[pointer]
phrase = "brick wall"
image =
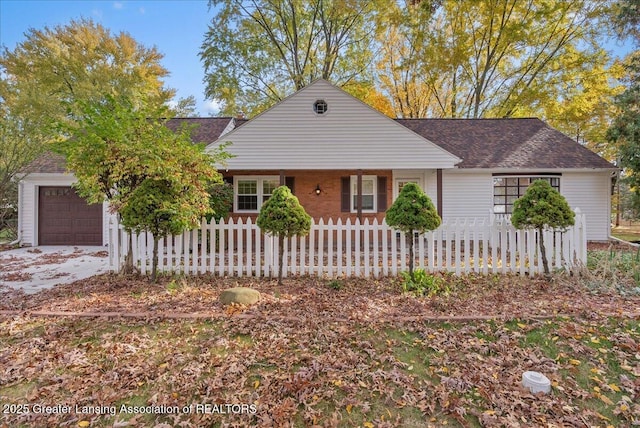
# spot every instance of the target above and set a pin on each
(328, 203)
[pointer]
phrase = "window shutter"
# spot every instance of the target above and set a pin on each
(345, 194)
(228, 180)
(382, 194)
(290, 183)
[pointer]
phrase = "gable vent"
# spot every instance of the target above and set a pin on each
(320, 107)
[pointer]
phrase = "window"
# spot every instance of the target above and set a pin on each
(320, 107)
(509, 188)
(251, 192)
(400, 183)
(369, 190)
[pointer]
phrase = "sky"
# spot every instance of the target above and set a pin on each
(175, 28)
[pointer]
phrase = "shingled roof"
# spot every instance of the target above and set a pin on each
(206, 130)
(524, 143)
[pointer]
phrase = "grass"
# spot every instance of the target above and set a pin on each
(626, 236)
(408, 375)
(627, 232)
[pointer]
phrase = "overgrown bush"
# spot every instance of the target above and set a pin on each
(220, 200)
(423, 283)
(612, 270)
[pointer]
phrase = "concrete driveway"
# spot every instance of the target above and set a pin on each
(33, 269)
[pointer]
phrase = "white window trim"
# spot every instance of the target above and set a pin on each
(259, 179)
(352, 193)
(396, 183)
(529, 176)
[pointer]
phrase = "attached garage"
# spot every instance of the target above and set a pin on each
(64, 218)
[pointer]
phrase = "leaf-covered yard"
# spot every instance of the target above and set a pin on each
(320, 353)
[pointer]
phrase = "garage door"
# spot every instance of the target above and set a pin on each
(64, 218)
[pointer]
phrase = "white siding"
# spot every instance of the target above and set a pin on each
(470, 194)
(591, 192)
(431, 185)
(351, 135)
(28, 211)
(466, 194)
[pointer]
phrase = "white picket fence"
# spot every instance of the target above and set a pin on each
(337, 249)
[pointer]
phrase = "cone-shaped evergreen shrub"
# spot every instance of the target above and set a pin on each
(542, 207)
(413, 212)
(283, 216)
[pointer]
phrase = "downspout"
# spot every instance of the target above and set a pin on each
(20, 210)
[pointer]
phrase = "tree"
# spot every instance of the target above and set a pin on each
(184, 107)
(625, 129)
(488, 58)
(17, 149)
(173, 197)
(403, 35)
(542, 207)
(412, 212)
(626, 18)
(257, 52)
(50, 77)
(81, 61)
(116, 146)
(282, 215)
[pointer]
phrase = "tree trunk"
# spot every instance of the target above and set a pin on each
(127, 269)
(543, 253)
(411, 238)
(280, 257)
(154, 263)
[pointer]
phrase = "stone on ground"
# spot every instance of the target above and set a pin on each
(241, 295)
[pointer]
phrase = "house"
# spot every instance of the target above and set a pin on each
(326, 145)
(51, 213)
(343, 159)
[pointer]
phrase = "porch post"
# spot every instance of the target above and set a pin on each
(359, 197)
(282, 179)
(439, 191)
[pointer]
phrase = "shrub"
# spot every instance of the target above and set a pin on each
(613, 270)
(413, 212)
(283, 216)
(335, 284)
(422, 283)
(542, 207)
(221, 200)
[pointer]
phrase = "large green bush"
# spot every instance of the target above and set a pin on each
(283, 216)
(413, 212)
(542, 207)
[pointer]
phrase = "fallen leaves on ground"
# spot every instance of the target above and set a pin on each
(298, 373)
(501, 296)
(311, 355)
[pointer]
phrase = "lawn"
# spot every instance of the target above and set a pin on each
(627, 231)
(352, 353)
